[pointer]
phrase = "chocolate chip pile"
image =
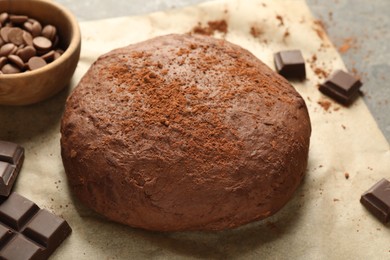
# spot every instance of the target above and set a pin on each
(25, 44)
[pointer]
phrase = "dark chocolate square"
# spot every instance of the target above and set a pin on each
(290, 64)
(377, 200)
(342, 87)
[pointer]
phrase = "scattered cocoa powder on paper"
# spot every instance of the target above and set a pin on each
(255, 31)
(348, 43)
(320, 72)
(211, 27)
(319, 28)
(325, 104)
(280, 18)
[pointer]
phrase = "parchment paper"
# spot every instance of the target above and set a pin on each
(324, 220)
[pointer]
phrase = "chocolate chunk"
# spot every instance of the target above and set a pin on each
(290, 64)
(377, 200)
(342, 87)
(28, 232)
(11, 160)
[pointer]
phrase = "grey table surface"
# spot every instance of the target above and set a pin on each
(359, 28)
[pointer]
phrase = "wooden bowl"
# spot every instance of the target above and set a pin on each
(37, 85)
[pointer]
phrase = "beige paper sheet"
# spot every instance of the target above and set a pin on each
(324, 220)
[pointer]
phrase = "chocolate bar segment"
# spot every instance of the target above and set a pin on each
(10, 152)
(11, 160)
(28, 232)
(342, 87)
(377, 200)
(290, 64)
(19, 247)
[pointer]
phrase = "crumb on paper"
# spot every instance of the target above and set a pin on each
(281, 21)
(321, 73)
(211, 27)
(325, 104)
(335, 200)
(344, 127)
(255, 31)
(346, 175)
(286, 34)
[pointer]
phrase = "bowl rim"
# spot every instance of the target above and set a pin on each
(75, 41)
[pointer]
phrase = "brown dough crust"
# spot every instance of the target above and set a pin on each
(184, 132)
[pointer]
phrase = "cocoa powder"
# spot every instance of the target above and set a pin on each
(212, 27)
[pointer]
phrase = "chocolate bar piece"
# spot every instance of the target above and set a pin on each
(342, 87)
(11, 160)
(290, 64)
(377, 200)
(28, 232)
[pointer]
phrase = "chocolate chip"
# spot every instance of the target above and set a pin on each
(50, 32)
(15, 35)
(18, 19)
(27, 38)
(48, 57)
(57, 55)
(33, 27)
(36, 63)
(16, 60)
(10, 69)
(4, 33)
(26, 53)
(42, 43)
(3, 18)
(8, 49)
(3, 61)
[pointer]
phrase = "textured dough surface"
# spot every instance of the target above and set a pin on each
(184, 132)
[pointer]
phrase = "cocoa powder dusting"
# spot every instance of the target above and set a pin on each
(171, 105)
(184, 102)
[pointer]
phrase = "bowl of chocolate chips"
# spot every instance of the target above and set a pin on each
(40, 45)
